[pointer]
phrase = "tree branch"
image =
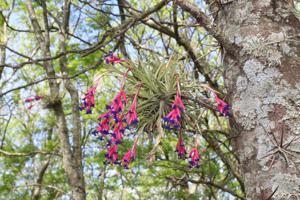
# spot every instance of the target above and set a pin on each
(29, 154)
(204, 21)
(48, 78)
(218, 186)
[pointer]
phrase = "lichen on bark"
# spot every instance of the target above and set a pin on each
(263, 81)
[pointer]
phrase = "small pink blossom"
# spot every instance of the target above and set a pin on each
(180, 148)
(118, 103)
(174, 116)
(132, 117)
(129, 156)
(112, 155)
(223, 107)
(31, 100)
(89, 100)
(111, 59)
(194, 158)
(117, 134)
(178, 102)
(103, 126)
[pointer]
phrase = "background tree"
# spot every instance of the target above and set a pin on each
(246, 51)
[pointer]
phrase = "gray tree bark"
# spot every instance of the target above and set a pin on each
(261, 43)
(263, 84)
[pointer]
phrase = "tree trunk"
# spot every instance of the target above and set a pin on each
(263, 81)
(71, 156)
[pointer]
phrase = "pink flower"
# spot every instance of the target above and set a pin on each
(31, 100)
(104, 116)
(173, 119)
(117, 134)
(112, 155)
(118, 102)
(174, 116)
(178, 102)
(180, 148)
(132, 117)
(103, 126)
(111, 59)
(194, 158)
(89, 100)
(223, 107)
(129, 156)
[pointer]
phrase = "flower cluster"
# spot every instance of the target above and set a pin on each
(112, 59)
(118, 103)
(194, 156)
(173, 118)
(31, 100)
(112, 116)
(173, 121)
(88, 100)
(113, 123)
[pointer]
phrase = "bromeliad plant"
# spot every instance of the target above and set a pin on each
(157, 103)
(160, 99)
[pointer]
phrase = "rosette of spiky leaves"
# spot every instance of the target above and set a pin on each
(158, 79)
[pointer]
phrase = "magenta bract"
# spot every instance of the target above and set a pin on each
(194, 158)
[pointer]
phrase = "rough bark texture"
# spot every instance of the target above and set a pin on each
(36, 192)
(263, 81)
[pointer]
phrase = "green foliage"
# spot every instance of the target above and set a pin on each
(34, 133)
(3, 6)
